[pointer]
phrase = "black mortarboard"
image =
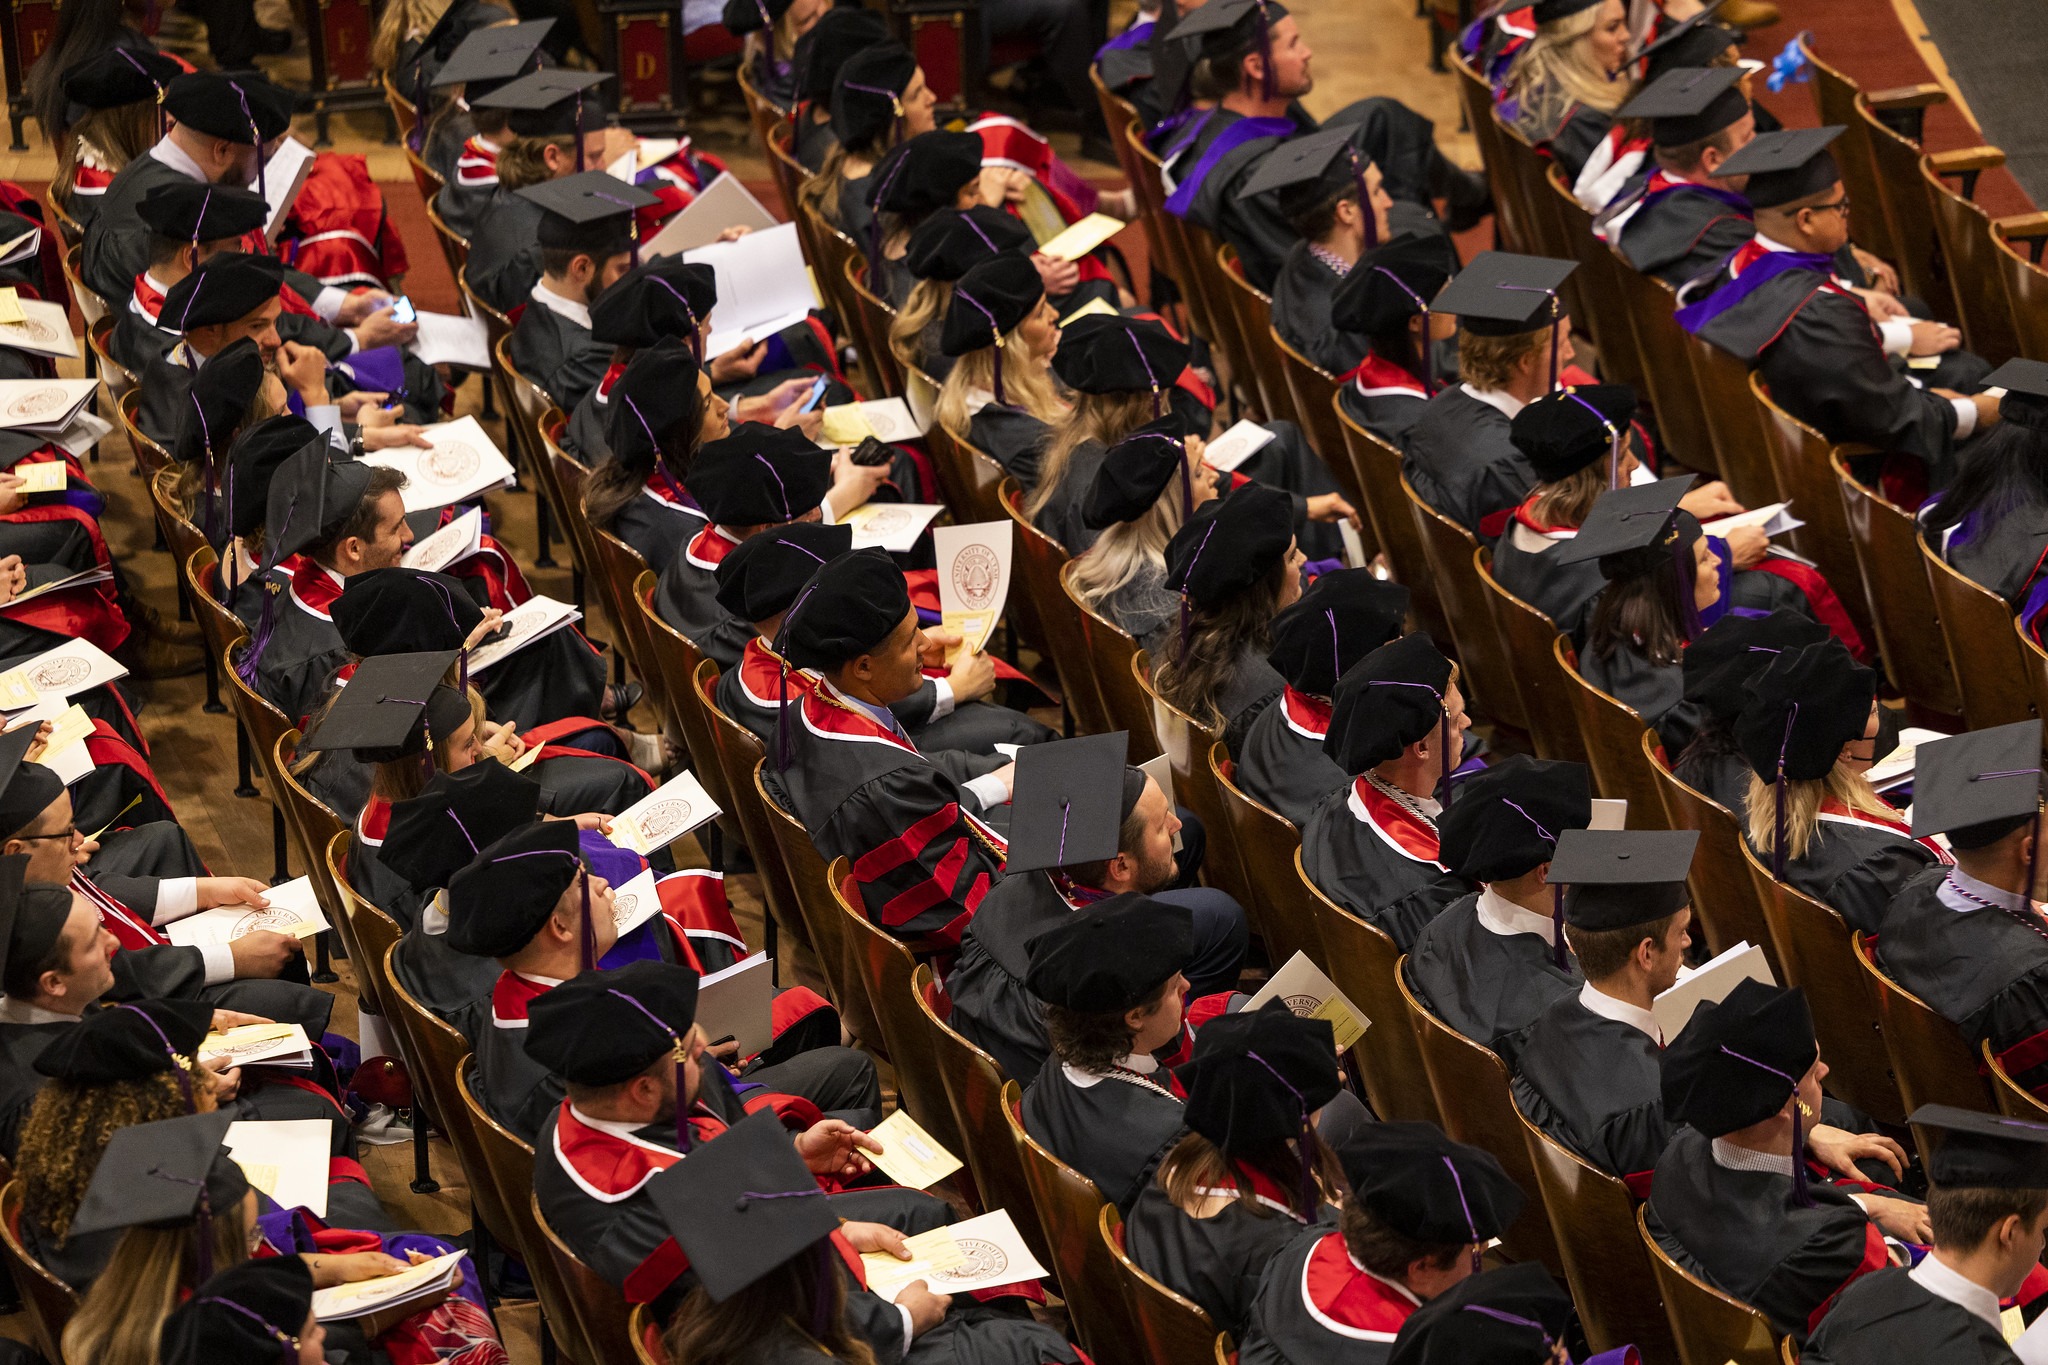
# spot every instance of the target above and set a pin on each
(1230, 544)
(742, 1205)
(1630, 529)
(392, 707)
(867, 97)
(498, 902)
(759, 475)
(1257, 1077)
(759, 578)
(653, 398)
(127, 1042)
(1737, 1060)
(1792, 163)
(249, 1314)
(242, 108)
(605, 1027)
(1501, 294)
(591, 211)
(1068, 806)
(194, 211)
(952, 242)
(1802, 708)
(1112, 956)
(1984, 1151)
(217, 401)
(1720, 663)
(404, 611)
(1338, 620)
(658, 299)
(925, 173)
(1561, 433)
(1387, 701)
(2026, 392)
(458, 813)
(1415, 1180)
(255, 458)
(1136, 471)
(457, 22)
(842, 32)
(1514, 1315)
(1104, 354)
(742, 17)
(26, 789)
(851, 605)
(1510, 816)
(1550, 11)
(1372, 299)
(1978, 787)
(492, 55)
(120, 75)
(1230, 29)
(1304, 173)
(1614, 878)
(551, 102)
(31, 916)
(224, 288)
(311, 495)
(151, 1175)
(991, 301)
(1689, 104)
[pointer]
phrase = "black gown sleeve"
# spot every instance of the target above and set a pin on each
(1828, 368)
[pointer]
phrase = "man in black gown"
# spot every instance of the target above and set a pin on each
(586, 235)
(1682, 217)
(505, 251)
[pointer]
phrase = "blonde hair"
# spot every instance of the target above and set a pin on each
(1028, 386)
(1487, 362)
(1802, 808)
(820, 194)
(1125, 550)
(147, 1276)
(1103, 417)
(404, 778)
(927, 304)
(1569, 500)
(402, 19)
(1556, 71)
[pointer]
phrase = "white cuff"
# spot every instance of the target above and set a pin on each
(327, 417)
(220, 963)
(1897, 335)
(943, 707)
(1966, 418)
(989, 790)
(825, 512)
(176, 897)
(327, 303)
(355, 340)
(908, 1335)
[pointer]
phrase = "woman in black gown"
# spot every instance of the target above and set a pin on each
(1235, 565)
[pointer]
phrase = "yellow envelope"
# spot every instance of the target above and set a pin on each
(2012, 1323)
(910, 1156)
(67, 730)
(10, 307)
(525, 760)
(974, 626)
(930, 1252)
(1348, 1027)
(1088, 309)
(44, 476)
(845, 425)
(16, 691)
(1082, 238)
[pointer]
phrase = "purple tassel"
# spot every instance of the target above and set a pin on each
(1304, 1142)
(1800, 1197)
(1778, 839)
(589, 930)
(1471, 1226)
(996, 334)
(1265, 52)
(184, 1078)
(1365, 213)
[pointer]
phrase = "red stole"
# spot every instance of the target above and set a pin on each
(133, 930)
(1376, 375)
(1347, 1300)
(1829, 806)
(709, 547)
(512, 997)
(1307, 716)
(1402, 828)
(313, 587)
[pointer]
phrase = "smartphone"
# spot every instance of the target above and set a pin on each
(872, 452)
(817, 393)
(403, 311)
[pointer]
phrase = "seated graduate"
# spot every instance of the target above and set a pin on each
(1236, 566)
(1251, 1172)
(944, 248)
(759, 580)
(1718, 667)
(462, 141)
(1397, 720)
(586, 243)
(1515, 1315)
(1728, 1199)
(1110, 977)
(820, 53)
(1143, 492)
(1001, 337)
(658, 412)
(1684, 218)
(772, 29)
(1382, 339)
(1987, 1204)
(244, 1314)
(1494, 961)
(1563, 90)
(915, 826)
(1512, 338)
(1991, 524)
(110, 100)
(1661, 573)
(1970, 940)
(1827, 357)
(1420, 1212)
(1812, 815)
(1333, 199)
(920, 177)
(879, 101)
(1339, 619)
(1085, 828)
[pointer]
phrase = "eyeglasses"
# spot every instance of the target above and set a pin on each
(68, 833)
(1839, 206)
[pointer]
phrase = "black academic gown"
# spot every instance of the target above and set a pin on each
(1281, 762)
(2005, 553)
(504, 251)
(656, 526)
(451, 984)
(302, 655)
(1377, 860)
(1573, 144)
(1316, 1307)
(1388, 406)
(116, 247)
(687, 598)
(1114, 1130)
(1887, 1318)
(1525, 563)
(1459, 460)
(1253, 226)
(1723, 776)
(1655, 690)
(586, 436)
(1489, 986)
(1855, 866)
(1302, 292)
(1593, 1084)
(1734, 1229)
(557, 353)
(1216, 1261)
(1682, 235)
(1984, 969)
(1013, 438)
(991, 1007)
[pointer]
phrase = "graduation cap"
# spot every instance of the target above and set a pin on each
(31, 917)
(551, 102)
(2026, 392)
(591, 212)
(1718, 666)
(830, 43)
(215, 404)
(194, 211)
(867, 95)
(655, 404)
(991, 301)
(436, 834)
(311, 495)
(1256, 1080)
(1978, 787)
(1229, 545)
(1512, 817)
(1802, 708)
(1736, 1062)
(245, 108)
(457, 22)
(492, 55)
(1605, 879)
(405, 611)
(1984, 1151)
(758, 579)
(1111, 956)
(120, 75)
(1233, 29)
(744, 1204)
(499, 901)
(1071, 797)
(1136, 471)
(606, 1027)
(249, 1314)
(1633, 530)
(252, 461)
(1550, 11)
(1513, 1315)
(1115, 354)
(1790, 164)
(394, 706)
(1501, 294)
(1338, 620)
(1563, 432)
(1387, 701)
(1689, 104)
(130, 1043)
(1392, 284)
(656, 300)
(925, 173)
(742, 17)
(26, 789)
(1303, 173)
(1414, 1179)
(165, 1174)
(759, 475)
(1695, 41)
(952, 241)
(225, 287)
(851, 605)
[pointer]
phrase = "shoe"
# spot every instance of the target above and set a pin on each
(158, 658)
(169, 628)
(648, 753)
(619, 701)
(1747, 14)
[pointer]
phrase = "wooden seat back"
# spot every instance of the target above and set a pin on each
(1098, 685)
(1802, 458)
(1604, 308)
(673, 663)
(1172, 1326)
(1735, 421)
(1043, 562)
(1186, 742)
(1649, 306)
(2013, 1100)
(2018, 243)
(602, 1315)
(1711, 1328)
(1910, 209)
(1475, 100)
(1983, 649)
(1727, 908)
(1908, 629)
(1529, 638)
(886, 966)
(149, 456)
(1613, 732)
(738, 753)
(1312, 391)
(1931, 1060)
(1486, 672)
(118, 379)
(312, 824)
(1969, 256)
(873, 315)
(1266, 844)
(1376, 470)
(1252, 308)
(371, 930)
(1834, 94)
(48, 1301)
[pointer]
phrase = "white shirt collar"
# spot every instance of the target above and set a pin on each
(1499, 915)
(620, 1128)
(13, 1011)
(177, 158)
(434, 914)
(1942, 1280)
(1770, 243)
(1507, 403)
(578, 313)
(1620, 1011)
(1959, 881)
(1730, 1157)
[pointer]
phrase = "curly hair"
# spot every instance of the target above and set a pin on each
(1195, 674)
(68, 1126)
